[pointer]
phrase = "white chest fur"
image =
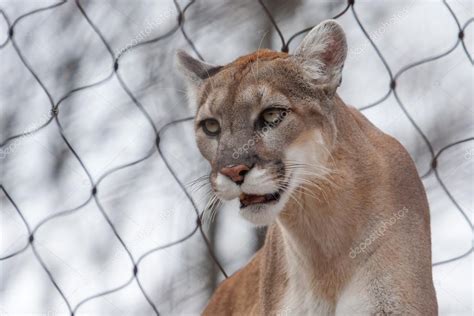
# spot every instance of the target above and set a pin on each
(299, 299)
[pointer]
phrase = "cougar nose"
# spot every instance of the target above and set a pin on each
(235, 172)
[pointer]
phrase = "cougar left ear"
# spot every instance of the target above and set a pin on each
(196, 71)
(322, 53)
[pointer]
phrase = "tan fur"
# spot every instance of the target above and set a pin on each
(350, 234)
(380, 179)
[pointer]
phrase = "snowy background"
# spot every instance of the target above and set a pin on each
(101, 130)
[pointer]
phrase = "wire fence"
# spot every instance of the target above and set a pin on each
(53, 118)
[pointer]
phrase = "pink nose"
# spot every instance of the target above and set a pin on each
(235, 172)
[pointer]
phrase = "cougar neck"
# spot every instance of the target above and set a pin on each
(321, 224)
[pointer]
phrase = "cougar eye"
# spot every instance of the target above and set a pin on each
(211, 127)
(273, 116)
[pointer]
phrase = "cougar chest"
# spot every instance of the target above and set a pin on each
(300, 299)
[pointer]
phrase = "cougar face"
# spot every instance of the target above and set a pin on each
(264, 121)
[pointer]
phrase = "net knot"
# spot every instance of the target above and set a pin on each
(54, 111)
(393, 84)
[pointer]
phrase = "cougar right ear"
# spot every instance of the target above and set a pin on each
(322, 53)
(196, 71)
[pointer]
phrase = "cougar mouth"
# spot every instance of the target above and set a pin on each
(249, 199)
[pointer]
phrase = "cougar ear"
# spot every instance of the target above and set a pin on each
(322, 53)
(196, 71)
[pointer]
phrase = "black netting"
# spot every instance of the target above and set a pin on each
(53, 118)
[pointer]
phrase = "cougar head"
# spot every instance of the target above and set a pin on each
(264, 122)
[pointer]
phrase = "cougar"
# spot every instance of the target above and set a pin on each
(347, 215)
